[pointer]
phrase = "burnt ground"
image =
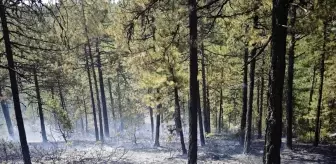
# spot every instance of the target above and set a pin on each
(219, 149)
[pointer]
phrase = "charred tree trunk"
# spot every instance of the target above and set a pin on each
(86, 116)
(261, 98)
(119, 99)
(178, 123)
(220, 113)
(101, 132)
(290, 77)
(276, 83)
(102, 92)
(205, 109)
(312, 85)
(244, 110)
(157, 131)
(193, 66)
(247, 142)
(14, 85)
(91, 95)
(258, 109)
(111, 99)
(319, 103)
(40, 109)
(5, 110)
(200, 122)
(152, 121)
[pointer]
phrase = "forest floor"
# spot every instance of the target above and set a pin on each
(219, 149)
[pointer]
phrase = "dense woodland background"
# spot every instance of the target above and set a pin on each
(100, 70)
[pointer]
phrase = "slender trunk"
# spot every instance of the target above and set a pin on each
(60, 92)
(14, 85)
(205, 109)
(290, 77)
(102, 92)
(247, 143)
(91, 95)
(101, 132)
(208, 107)
(220, 113)
(244, 110)
(151, 120)
(40, 109)
(86, 117)
(261, 98)
(178, 119)
(200, 122)
(276, 83)
(192, 153)
(319, 103)
(5, 110)
(119, 99)
(111, 99)
(157, 131)
(312, 85)
(258, 110)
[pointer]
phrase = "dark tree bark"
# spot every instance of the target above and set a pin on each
(178, 123)
(290, 77)
(258, 110)
(86, 115)
(91, 95)
(152, 120)
(200, 122)
(220, 113)
(5, 110)
(319, 103)
(206, 120)
(244, 110)
(276, 82)
(313, 85)
(14, 85)
(111, 99)
(119, 98)
(39, 103)
(247, 142)
(261, 98)
(101, 132)
(157, 131)
(102, 92)
(60, 92)
(193, 66)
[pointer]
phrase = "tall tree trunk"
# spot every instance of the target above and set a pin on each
(101, 132)
(244, 110)
(119, 98)
(200, 122)
(14, 85)
(276, 83)
(319, 103)
(312, 85)
(193, 66)
(258, 110)
(151, 120)
(86, 117)
(102, 92)
(111, 99)
(220, 113)
(261, 97)
(91, 95)
(205, 109)
(39, 103)
(247, 143)
(178, 119)
(290, 77)
(157, 131)
(5, 110)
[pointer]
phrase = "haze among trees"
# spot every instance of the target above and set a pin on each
(168, 81)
